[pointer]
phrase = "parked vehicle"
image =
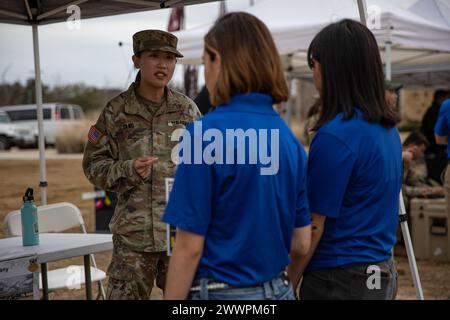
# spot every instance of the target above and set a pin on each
(14, 134)
(6, 132)
(57, 116)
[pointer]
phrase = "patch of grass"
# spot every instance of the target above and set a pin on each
(72, 139)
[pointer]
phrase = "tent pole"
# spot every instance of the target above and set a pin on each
(40, 116)
(362, 7)
(388, 57)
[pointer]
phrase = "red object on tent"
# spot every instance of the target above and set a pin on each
(190, 81)
(176, 19)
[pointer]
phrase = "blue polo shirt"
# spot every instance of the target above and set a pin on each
(247, 218)
(354, 180)
(442, 127)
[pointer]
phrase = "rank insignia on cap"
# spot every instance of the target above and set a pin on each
(94, 135)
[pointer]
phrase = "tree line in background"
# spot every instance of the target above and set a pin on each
(89, 98)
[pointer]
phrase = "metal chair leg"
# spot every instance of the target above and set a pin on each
(100, 284)
(101, 291)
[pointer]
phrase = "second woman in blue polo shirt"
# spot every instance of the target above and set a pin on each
(354, 171)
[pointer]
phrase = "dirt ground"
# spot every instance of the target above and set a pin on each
(67, 182)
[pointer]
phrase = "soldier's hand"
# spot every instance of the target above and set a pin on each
(143, 166)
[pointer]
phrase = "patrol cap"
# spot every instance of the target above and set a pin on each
(391, 85)
(154, 40)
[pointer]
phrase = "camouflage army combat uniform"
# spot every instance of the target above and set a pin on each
(416, 181)
(128, 128)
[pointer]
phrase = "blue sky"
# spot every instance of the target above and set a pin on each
(91, 54)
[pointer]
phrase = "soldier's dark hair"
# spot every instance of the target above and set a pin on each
(416, 139)
(352, 73)
(138, 75)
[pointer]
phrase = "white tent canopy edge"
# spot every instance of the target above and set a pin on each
(405, 39)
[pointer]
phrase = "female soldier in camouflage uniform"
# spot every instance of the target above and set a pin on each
(129, 152)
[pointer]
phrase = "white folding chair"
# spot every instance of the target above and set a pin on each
(58, 217)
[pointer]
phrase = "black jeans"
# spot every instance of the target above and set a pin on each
(377, 281)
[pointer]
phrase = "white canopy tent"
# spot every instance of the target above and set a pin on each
(433, 10)
(437, 11)
(410, 43)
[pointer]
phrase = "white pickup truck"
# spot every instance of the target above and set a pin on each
(57, 116)
(12, 134)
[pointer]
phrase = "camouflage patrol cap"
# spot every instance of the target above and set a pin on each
(155, 40)
(391, 85)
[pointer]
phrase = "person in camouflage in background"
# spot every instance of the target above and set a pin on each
(416, 183)
(129, 152)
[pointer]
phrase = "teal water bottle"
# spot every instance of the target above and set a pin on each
(28, 213)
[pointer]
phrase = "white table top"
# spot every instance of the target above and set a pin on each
(56, 246)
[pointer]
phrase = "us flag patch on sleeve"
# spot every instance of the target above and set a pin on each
(94, 135)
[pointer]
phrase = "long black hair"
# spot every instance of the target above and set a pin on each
(352, 73)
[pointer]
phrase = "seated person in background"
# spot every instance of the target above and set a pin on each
(416, 183)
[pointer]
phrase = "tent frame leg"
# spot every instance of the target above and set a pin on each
(388, 58)
(40, 116)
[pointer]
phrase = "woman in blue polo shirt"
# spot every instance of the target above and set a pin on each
(239, 201)
(354, 171)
